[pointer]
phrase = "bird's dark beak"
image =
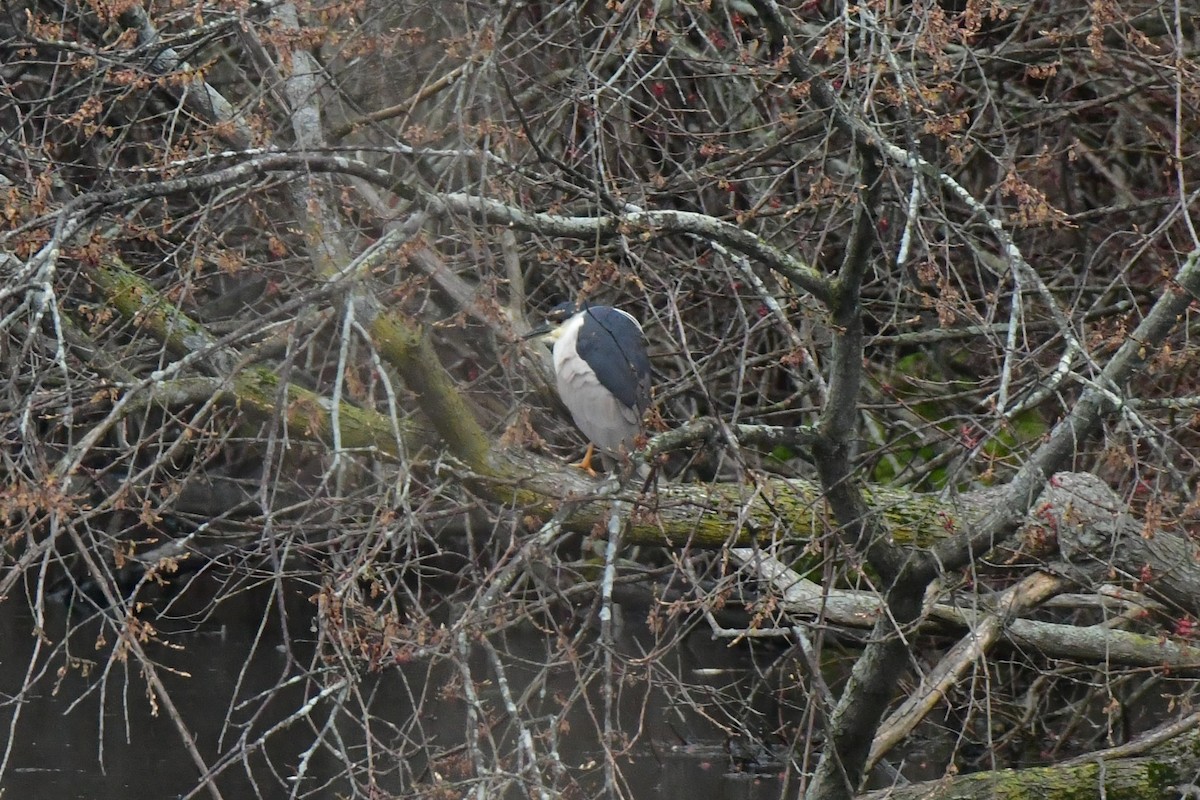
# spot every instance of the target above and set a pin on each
(539, 332)
(548, 332)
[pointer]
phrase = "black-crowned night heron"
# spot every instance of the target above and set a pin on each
(603, 374)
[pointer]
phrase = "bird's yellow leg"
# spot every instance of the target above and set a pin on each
(586, 463)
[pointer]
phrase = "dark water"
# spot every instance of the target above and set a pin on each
(96, 735)
(88, 734)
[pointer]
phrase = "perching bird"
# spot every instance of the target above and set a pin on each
(603, 374)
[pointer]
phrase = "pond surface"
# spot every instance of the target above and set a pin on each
(83, 732)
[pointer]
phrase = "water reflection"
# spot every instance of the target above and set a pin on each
(65, 747)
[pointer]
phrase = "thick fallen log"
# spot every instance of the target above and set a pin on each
(1165, 769)
(1100, 540)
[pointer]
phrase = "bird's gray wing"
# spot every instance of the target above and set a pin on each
(615, 349)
